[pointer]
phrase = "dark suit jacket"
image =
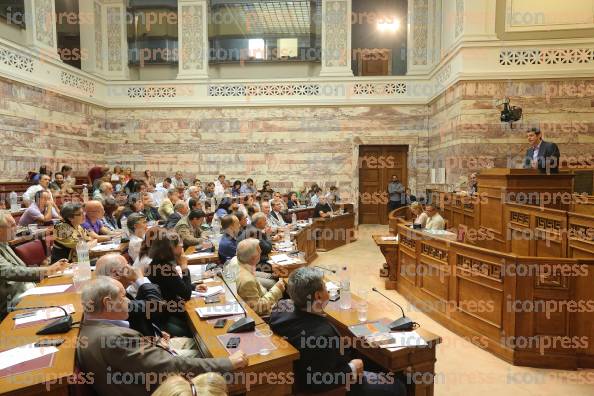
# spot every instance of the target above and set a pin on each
(548, 158)
(172, 220)
(265, 245)
(104, 345)
(141, 320)
(317, 341)
(321, 208)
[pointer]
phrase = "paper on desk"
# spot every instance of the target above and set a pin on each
(390, 238)
(196, 271)
(46, 290)
(44, 314)
(406, 339)
(22, 354)
(195, 256)
(331, 286)
(67, 272)
(282, 259)
(214, 290)
(219, 310)
(106, 247)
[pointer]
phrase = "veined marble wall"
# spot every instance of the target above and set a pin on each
(288, 145)
(38, 127)
(465, 133)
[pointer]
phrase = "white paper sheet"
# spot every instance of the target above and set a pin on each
(391, 238)
(331, 286)
(282, 259)
(195, 256)
(210, 311)
(213, 290)
(22, 354)
(44, 314)
(406, 339)
(106, 247)
(36, 291)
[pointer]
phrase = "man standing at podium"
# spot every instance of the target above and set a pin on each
(542, 155)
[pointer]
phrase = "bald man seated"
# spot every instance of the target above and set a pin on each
(93, 224)
(147, 309)
(113, 351)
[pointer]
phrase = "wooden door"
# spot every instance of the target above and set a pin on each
(377, 164)
(374, 61)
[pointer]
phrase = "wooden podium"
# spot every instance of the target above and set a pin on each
(498, 186)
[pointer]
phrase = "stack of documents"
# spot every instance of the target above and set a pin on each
(282, 259)
(213, 290)
(23, 354)
(210, 311)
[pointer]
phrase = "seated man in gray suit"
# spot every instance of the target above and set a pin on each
(110, 349)
(542, 155)
(15, 276)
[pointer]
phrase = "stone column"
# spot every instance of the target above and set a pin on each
(40, 16)
(192, 26)
(103, 38)
(336, 38)
(420, 36)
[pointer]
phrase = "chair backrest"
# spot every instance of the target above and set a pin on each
(32, 253)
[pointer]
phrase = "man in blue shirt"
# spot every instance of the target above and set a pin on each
(248, 187)
(228, 244)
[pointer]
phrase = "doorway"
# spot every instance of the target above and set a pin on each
(376, 165)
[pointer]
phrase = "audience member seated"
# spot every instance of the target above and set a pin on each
(222, 210)
(293, 202)
(104, 191)
(266, 209)
(248, 187)
(150, 211)
(93, 225)
(137, 226)
(166, 209)
(106, 314)
(29, 195)
(69, 232)
(58, 184)
(219, 186)
(66, 170)
(161, 190)
(210, 190)
(257, 230)
(303, 323)
(96, 173)
(236, 188)
(166, 253)
(105, 178)
(333, 196)
(322, 209)
(180, 210)
(420, 215)
(228, 244)
(207, 384)
(243, 221)
(248, 286)
(434, 219)
(194, 204)
(41, 211)
(314, 199)
(15, 277)
(195, 193)
(178, 181)
(143, 261)
(266, 189)
(190, 231)
(275, 217)
(110, 219)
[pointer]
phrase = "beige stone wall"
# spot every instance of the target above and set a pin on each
(466, 135)
(38, 127)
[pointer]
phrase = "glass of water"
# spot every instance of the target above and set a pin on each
(362, 307)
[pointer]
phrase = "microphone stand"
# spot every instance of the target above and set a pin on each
(402, 324)
(245, 324)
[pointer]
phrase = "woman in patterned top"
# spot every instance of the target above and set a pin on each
(68, 233)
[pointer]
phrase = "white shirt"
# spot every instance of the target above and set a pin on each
(436, 222)
(536, 151)
(219, 188)
(29, 195)
(134, 247)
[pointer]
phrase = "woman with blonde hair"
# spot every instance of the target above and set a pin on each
(420, 215)
(207, 384)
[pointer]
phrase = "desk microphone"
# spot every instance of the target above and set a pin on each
(243, 325)
(325, 269)
(402, 324)
(61, 325)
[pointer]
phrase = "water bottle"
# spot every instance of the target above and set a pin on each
(14, 202)
(83, 270)
(213, 206)
(345, 289)
(124, 222)
(294, 218)
(85, 193)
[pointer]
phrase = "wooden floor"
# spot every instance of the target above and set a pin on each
(462, 369)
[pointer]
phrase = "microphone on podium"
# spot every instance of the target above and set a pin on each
(402, 324)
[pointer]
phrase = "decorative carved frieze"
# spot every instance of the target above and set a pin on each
(519, 218)
(433, 252)
(77, 82)
(17, 61)
(561, 56)
(479, 267)
(239, 90)
(409, 243)
(379, 89)
(152, 92)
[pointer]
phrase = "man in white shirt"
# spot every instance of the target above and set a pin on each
(161, 191)
(219, 186)
(178, 181)
(137, 227)
(29, 195)
(434, 221)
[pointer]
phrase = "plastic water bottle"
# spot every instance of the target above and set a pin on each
(294, 218)
(14, 202)
(124, 222)
(83, 270)
(345, 289)
(85, 193)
